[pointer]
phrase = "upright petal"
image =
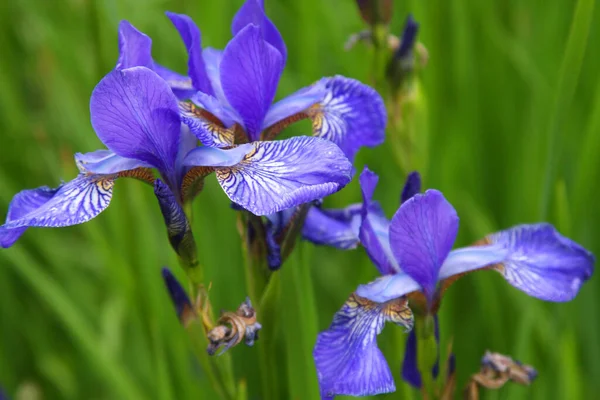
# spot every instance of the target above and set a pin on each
(351, 115)
(190, 34)
(533, 258)
(374, 229)
(249, 72)
(278, 175)
(336, 228)
(135, 48)
(135, 114)
(346, 355)
(422, 234)
(72, 203)
(181, 85)
(252, 12)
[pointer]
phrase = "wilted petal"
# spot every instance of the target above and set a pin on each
(336, 228)
(135, 48)
(533, 258)
(252, 12)
(181, 85)
(422, 234)
(135, 114)
(346, 355)
(72, 203)
(190, 34)
(105, 162)
(179, 297)
(412, 186)
(374, 229)
(351, 115)
(250, 71)
(388, 287)
(278, 175)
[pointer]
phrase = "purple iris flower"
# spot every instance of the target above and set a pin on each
(235, 89)
(414, 254)
(136, 115)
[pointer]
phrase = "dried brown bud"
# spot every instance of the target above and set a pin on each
(232, 328)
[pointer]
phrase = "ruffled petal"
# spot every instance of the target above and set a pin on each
(278, 175)
(351, 115)
(374, 229)
(422, 234)
(105, 162)
(346, 355)
(249, 71)
(336, 228)
(536, 259)
(135, 48)
(181, 85)
(135, 114)
(252, 12)
(72, 203)
(22, 204)
(190, 34)
(388, 287)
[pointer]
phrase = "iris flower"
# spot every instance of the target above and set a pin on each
(136, 116)
(413, 252)
(235, 89)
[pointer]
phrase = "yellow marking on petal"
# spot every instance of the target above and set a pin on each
(142, 174)
(272, 131)
(193, 182)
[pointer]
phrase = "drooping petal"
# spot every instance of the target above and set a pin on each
(388, 287)
(105, 162)
(278, 175)
(412, 186)
(374, 229)
(291, 109)
(181, 85)
(135, 48)
(346, 355)
(249, 72)
(190, 34)
(533, 258)
(422, 234)
(22, 204)
(135, 114)
(214, 157)
(336, 228)
(410, 368)
(351, 115)
(179, 297)
(72, 203)
(252, 12)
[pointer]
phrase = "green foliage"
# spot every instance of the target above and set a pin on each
(513, 101)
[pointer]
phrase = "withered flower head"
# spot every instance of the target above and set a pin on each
(232, 328)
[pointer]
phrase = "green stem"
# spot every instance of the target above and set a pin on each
(426, 354)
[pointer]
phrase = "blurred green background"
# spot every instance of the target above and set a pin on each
(513, 114)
